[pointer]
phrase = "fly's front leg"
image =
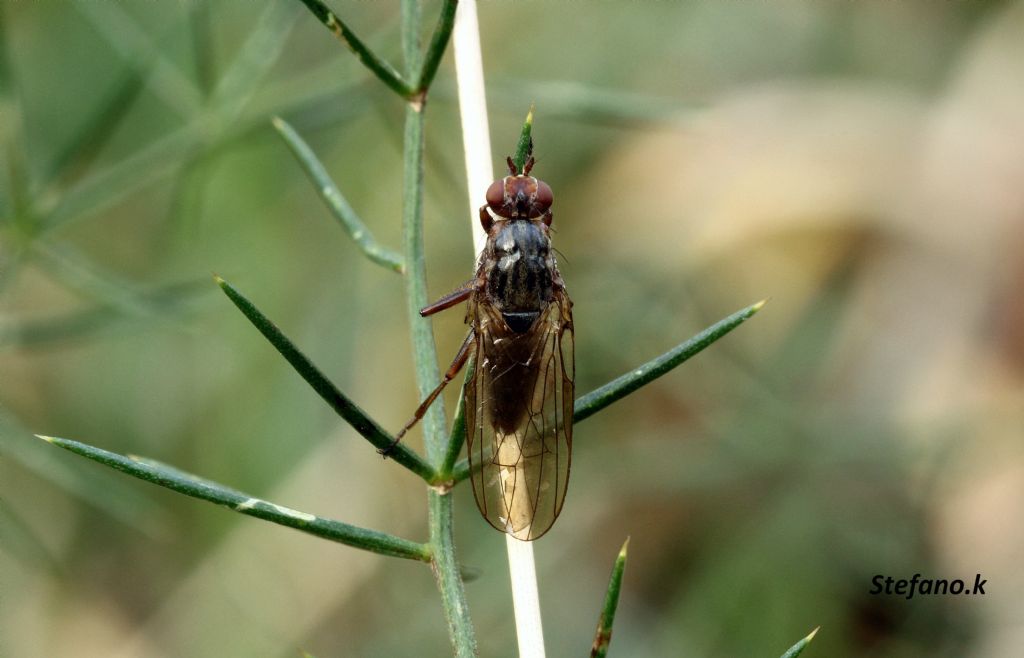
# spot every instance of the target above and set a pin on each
(457, 363)
(486, 221)
(457, 296)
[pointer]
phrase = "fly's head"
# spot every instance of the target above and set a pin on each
(518, 196)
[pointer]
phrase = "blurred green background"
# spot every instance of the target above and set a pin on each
(860, 163)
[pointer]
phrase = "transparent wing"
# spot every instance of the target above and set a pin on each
(519, 404)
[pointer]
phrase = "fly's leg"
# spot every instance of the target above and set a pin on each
(456, 296)
(457, 363)
(486, 221)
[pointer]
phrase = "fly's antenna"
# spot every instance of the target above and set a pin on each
(527, 165)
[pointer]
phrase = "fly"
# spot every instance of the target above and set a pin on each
(519, 395)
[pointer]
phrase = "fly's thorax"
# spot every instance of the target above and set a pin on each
(520, 271)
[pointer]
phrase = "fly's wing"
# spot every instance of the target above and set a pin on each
(519, 404)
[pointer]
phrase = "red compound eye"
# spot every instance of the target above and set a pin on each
(496, 194)
(544, 196)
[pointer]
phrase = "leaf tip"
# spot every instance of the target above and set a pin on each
(758, 306)
(48, 439)
(812, 634)
(625, 549)
(278, 124)
(529, 115)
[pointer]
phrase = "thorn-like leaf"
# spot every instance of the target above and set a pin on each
(253, 59)
(458, 434)
(101, 189)
(335, 201)
(589, 404)
(603, 636)
(100, 490)
(135, 46)
(799, 647)
(101, 122)
(72, 268)
(196, 487)
(438, 44)
(379, 67)
(618, 388)
(345, 408)
(169, 301)
(21, 542)
(525, 143)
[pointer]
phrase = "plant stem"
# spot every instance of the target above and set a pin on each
(447, 575)
(479, 174)
(425, 355)
(445, 566)
(439, 500)
(476, 136)
(522, 573)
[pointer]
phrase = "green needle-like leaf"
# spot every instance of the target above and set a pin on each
(21, 542)
(196, 487)
(335, 201)
(458, 434)
(345, 408)
(99, 190)
(134, 44)
(589, 404)
(170, 301)
(799, 647)
(462, 469)
(101, 123)
(618, 388)
(77, 272)
(101, 490)
(382, 69)
(525, 143)
(603, 636)
(254, 59)
(438, 44)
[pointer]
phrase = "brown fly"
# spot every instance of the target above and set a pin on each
(519, 395)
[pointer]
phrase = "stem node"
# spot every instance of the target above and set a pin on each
(418, 100)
